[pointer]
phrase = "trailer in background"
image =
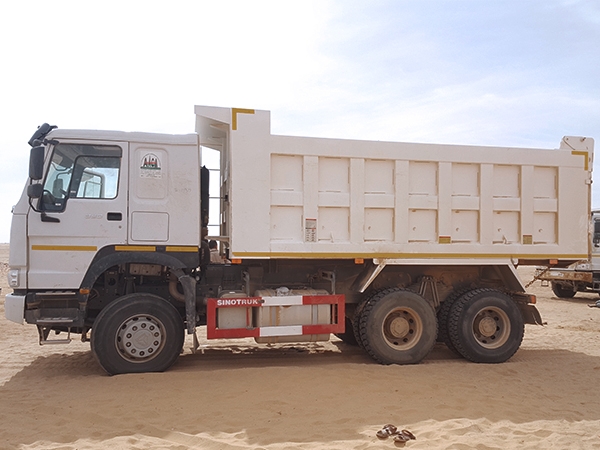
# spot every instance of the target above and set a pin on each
(581, 276)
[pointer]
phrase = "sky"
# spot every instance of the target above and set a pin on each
(517, 73)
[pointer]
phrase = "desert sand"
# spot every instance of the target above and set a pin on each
(238, 395)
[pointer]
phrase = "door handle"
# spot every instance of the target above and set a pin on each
(116, 216)
(47, 218)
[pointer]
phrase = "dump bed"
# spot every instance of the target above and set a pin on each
(298, 197)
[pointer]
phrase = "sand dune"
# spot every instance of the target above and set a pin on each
(236, 395)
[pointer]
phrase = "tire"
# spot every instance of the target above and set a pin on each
(137, 333)
(562, 291)
(348, 335)
(442, 317)
(356, 323)
(398, 326)
(486, 326)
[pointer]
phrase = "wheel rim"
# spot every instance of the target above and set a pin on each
(140, 338)
(491, 327)
(402, 328)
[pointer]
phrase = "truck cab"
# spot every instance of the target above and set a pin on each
(96, 198)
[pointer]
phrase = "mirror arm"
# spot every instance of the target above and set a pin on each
(35, 208)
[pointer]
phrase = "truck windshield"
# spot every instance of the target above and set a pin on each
(81, 171)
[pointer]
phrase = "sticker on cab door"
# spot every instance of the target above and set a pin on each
(150, 166)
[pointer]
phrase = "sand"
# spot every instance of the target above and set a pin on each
(237, 395)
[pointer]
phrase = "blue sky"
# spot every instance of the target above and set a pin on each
(503, 72)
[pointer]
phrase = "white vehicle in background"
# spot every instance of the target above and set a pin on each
(381, 243)
(582, 276)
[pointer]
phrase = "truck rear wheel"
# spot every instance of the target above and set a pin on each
(397, 326)
(563, 291)
(442, 316)
(486, 326)
(348, 335)
(356, 322)
(137, 333)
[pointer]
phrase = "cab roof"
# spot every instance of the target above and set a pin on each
(123, 136)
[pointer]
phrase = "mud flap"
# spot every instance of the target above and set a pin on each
(189, 292)
(530, 314)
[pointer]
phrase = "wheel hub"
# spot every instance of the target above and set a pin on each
(399, 327)
(402, 329)
(491, 327)
(487, 326)
(139, 338)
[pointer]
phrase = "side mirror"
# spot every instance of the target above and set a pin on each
(35, 190)
(40, 133)
(36, 163)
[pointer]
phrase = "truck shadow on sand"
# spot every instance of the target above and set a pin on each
(288, 395)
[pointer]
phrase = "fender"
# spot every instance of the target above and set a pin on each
(108, 257)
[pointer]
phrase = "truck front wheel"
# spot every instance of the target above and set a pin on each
(398, 326)
(137, 333)
(485, 326)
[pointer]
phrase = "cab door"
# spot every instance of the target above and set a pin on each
(83, 208)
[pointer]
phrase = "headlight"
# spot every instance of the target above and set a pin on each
(13, 278)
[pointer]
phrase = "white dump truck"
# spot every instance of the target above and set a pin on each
(582, 276)
(386, 245)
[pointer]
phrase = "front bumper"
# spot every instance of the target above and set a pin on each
(14, 308)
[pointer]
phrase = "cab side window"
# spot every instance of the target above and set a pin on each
(81, 171)
(95, 177)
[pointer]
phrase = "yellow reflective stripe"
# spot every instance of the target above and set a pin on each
(66, 248)
(403, 255)
(152, 248)
(182, 249)
(585, 155)
(235, 112)
(135, 248)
